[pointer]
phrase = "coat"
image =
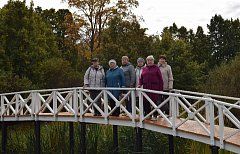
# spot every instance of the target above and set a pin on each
(167, 75)
(129, 74)
(138, 71)
(94, 77)
(115, 78)
(151, 78)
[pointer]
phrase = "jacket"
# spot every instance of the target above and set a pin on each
(138, 71)
(94, 77)
(115, 78)
(167, 75)
(151, 78)
(129, 74)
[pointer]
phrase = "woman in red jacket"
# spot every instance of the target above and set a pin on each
(151, 78)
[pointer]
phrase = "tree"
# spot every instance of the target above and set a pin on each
(187, 71)
(66, 30)
(96, 14)
(124, 37)
(201, 47)
(56, 73)
(26, 41)
(224, 39)
(10, 82)
(180, 33)
(224, 79)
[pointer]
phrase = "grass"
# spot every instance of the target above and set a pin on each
(55, 139)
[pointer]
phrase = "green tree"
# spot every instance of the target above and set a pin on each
(224, 39)
(201, 47)
(57, 73)
(10, 83)
(224, 80)
(66, 30)
(125, 37)
(186, 70)
(26, 41)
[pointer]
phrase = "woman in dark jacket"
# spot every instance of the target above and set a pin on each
(151, 78)
(114, 78)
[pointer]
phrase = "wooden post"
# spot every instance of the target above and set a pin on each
(71, 137)
(171, 144)
(37, 137)
(138, 143)
(4, 137)
(214, 149)
(115, 139)
(83, 138)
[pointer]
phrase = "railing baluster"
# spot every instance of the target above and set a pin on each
(141, 108)
(177, 107)
(2, 107)
(33, 105)
(221, 125)
(21, 105)
(16, 105)
(133, 99)
(174, 113)
(75, 104)
(207, 110)
(36, 104)
(105, 98)
(55, 103)
(81, 105)
(212, 123)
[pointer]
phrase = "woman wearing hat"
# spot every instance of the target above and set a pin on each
(114, 78)
(95, 77)
(151, 78)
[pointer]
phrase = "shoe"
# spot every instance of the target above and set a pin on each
(154, 118)
(124, 114)
(97, 114)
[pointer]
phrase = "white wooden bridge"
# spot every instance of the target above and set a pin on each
(206, 118)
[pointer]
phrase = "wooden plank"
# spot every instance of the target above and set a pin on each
(194, 127)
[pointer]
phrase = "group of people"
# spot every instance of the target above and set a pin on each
(147, 75)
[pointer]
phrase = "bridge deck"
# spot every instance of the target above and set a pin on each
(190, 126)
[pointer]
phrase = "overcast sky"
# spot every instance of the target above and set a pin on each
(158, 14)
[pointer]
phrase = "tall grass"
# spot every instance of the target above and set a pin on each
(99, 139)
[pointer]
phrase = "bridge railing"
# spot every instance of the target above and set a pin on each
(226, 114)
(182, 108)
(210, 112)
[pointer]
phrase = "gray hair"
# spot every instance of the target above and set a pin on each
(150, 57)
(125, 57)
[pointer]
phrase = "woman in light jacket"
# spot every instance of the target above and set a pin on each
(94, 78)
(167, 75)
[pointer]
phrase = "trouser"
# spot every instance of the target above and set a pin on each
(112, 104)
(137, 102)
(93, 95)
(158, 102)
(165, 107)
(128, 102)
(146, 107)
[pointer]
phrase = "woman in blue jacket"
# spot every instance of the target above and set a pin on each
(114, 78)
